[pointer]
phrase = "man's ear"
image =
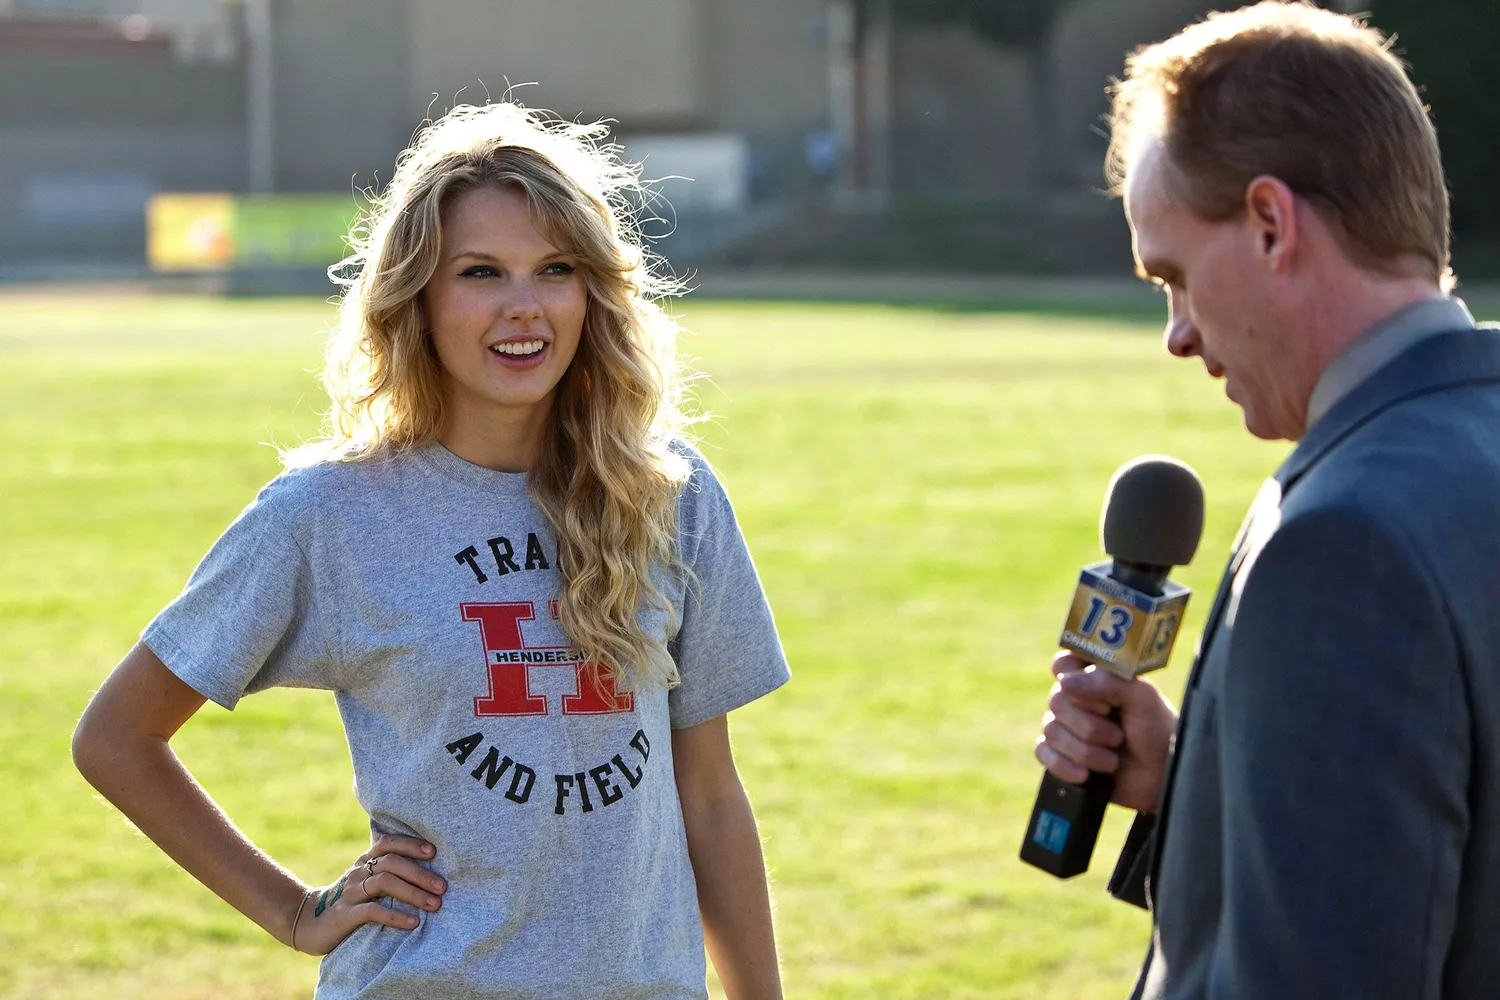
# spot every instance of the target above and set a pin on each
(1271, 216)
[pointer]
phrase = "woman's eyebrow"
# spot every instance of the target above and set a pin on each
(483, 255)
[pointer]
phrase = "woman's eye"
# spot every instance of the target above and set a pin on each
(559, 268)
(477, 271)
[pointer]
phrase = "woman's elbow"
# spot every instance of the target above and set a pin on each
(104, 740)
(135, 711)
(91, 747)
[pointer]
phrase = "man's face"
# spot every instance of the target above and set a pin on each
(1222, 300)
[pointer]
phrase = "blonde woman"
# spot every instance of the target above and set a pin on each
(532, 602)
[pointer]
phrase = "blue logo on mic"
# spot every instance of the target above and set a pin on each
(1051, 831)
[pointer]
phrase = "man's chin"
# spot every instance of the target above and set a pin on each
(1264, 429)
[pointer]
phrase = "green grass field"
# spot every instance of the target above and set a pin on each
(919, 488)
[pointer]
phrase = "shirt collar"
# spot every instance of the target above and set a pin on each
(1380, 345)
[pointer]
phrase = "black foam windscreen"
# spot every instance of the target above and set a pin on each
(1153, 514)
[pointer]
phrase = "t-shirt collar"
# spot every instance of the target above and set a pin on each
(442, 461)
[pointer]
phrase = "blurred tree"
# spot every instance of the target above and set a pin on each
(1450, 48)
(1023, 25)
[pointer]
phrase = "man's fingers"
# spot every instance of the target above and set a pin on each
(1091, 686)
(1076, 751)
(1090, 722)
(1098, 686)
(1065, 662)
(1059, 765)
(1081, 699)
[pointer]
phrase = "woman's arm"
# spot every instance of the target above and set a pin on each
(724, 847)
(121, 747)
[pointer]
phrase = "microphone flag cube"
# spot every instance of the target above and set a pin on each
(1120, 628)
(1127, 632)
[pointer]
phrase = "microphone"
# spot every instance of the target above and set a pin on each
(1124, 618)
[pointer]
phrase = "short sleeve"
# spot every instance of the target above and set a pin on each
(249, 617)
(726, 648)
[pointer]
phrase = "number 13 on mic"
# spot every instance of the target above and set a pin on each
(1120, 628)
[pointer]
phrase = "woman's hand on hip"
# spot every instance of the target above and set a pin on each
(331, 914)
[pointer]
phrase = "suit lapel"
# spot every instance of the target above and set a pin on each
(1268, 498)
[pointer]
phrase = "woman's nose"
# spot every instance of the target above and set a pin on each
(522, 302)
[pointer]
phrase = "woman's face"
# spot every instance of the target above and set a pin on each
(505, 308)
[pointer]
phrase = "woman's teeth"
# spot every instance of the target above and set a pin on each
(519, 348)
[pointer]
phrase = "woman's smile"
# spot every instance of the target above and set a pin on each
(520, 355)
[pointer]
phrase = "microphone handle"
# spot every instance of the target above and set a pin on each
(1065, 821)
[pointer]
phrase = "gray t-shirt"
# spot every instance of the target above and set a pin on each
(419, 588)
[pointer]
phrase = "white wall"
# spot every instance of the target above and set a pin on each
(635, 58)
(706, 170)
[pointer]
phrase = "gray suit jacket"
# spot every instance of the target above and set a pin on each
(1330, 823)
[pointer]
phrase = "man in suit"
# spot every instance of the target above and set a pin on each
(1322, 820)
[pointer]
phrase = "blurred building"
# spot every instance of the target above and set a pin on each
(772, 105)
(98, 109)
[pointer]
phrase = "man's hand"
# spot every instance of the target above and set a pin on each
(1078, 736)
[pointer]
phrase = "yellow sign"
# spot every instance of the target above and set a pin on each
(215, 232)
(190, 232)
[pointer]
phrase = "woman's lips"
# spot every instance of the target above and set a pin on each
(521, 361)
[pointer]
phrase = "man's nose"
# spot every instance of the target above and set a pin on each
(1182, 335)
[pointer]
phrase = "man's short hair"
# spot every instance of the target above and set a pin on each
(1302, 94)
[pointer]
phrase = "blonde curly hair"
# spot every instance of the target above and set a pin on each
(605, 476)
